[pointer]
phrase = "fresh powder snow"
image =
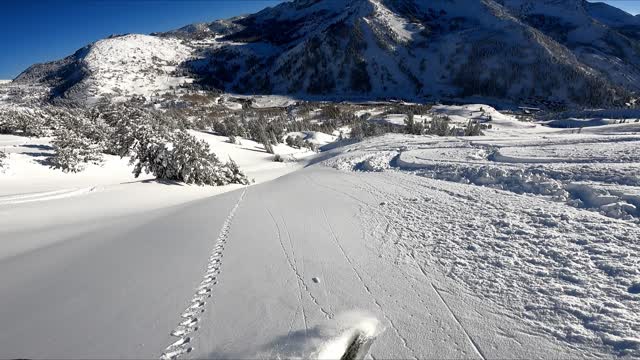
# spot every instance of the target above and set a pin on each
(517, 244)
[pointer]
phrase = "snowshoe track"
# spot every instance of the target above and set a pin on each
(202, 295)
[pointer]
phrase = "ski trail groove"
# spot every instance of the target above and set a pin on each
(203, 292)
(473, 343)
(404, 341)
(294, 269)
(326, 313)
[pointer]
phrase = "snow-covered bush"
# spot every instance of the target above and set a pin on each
(3, 156)
(413, 127)
(23, 121)
(357, 132)
(233, 173)
(126, 123)
(294, 141)
(439, 126)
(311, 146)
(157, 144)
(473, 129)
(181, 157)
(73, 150)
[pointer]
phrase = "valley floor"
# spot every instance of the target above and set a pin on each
(503, 246)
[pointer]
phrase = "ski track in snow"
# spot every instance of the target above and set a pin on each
(366, 287)
(466, 333)
(565, 270)
(203, 293)
(301, 283)
(294, 268)
(45, 196)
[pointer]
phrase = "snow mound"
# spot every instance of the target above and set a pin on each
(315, 137)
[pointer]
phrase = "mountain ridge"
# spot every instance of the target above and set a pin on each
(522, 51)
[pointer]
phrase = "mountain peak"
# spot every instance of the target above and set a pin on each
(513, 50)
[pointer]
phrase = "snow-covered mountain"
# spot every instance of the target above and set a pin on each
(120, 66)
(611, 15)
(565, 51)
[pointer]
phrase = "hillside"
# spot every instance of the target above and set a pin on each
(536, 52)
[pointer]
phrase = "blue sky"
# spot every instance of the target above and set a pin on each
(34, 31)
(630, 6)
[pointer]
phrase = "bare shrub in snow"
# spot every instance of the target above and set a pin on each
(357, 131)
(311, 146)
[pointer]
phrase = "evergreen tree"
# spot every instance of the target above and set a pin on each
(3, 156)
(182, 157)
(73, 150)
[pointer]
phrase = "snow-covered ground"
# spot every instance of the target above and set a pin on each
(519, 244)
(544, 226)
(28, 185)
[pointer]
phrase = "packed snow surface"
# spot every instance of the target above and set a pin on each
(522, 243)
(544, 226)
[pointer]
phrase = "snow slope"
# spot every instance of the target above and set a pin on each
(120, 287)
(26, 179)
(519, 244)
(550, 233)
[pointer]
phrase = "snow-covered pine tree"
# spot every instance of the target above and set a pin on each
(23, 121)
(3, 156)
(472, 129)
(181, 157)
(357, 131)
(294, 141)
(73, 150)
(439, 125)
(234, 174)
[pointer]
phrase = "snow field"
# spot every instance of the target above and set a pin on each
(509, 222)
(517, 244)
(29, 187)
